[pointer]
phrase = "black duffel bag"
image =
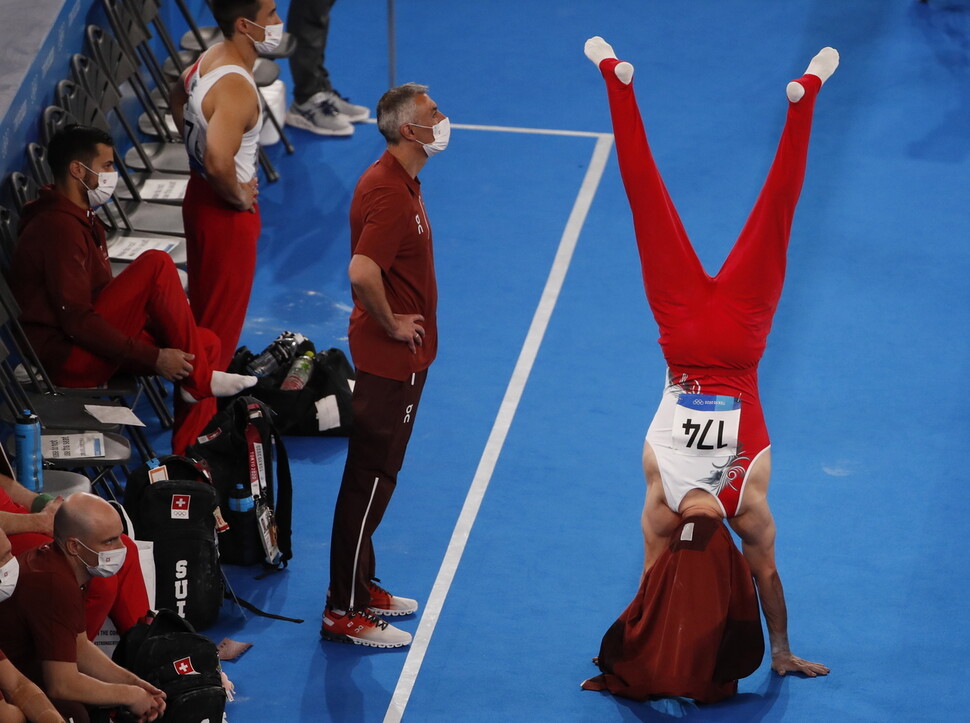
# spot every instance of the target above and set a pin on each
(321, 408)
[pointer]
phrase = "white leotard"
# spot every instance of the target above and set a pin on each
(196, 126)
(683, 470)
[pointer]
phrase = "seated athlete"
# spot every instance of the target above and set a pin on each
(84, 324)
(42, 628)
(27, 519)
(708, 443)
(19, 696)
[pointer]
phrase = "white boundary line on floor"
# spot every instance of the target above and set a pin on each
(503, 420)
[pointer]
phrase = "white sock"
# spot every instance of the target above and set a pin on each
(822, 66)
(624, 72)
(598, 50)
(224, 384)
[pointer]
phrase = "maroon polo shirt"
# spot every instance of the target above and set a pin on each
(43, 617)
(389, 225)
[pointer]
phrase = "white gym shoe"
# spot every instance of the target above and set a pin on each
(319, 115)
(362, 628)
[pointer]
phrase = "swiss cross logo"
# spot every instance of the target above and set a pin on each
(184, 667)
(180, 507)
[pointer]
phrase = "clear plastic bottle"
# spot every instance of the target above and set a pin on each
(277, 354)
(299, 373)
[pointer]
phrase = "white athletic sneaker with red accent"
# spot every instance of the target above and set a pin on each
(383, 603)
(362, 628)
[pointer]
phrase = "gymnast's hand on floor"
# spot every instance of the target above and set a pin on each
(787, 663)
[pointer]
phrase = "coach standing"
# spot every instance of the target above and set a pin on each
(393, 340)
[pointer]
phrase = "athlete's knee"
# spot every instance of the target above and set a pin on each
(155, 264)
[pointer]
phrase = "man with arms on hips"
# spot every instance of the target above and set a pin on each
(86, 324)
(42, 623)
(21, 696)
(393, 340)
(217, 108)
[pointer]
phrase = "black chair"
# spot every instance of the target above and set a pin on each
(133, 36)
(23, 190)
(98, 469)
(58, 412)
(147, 13)
(121, 69)
(88, 73)
(8, 237)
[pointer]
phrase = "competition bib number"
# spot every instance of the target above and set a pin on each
(706, 425)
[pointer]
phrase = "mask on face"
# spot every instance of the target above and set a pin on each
(9, 574)
(273, 36)
(442, 132)
(109, 561)
(104, 190)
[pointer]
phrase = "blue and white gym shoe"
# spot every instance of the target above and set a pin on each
(319, 115)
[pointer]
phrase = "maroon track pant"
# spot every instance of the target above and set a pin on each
(384, 411)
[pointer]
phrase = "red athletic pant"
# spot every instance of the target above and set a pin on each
(384, 411)
(147, 301)
(721, 321)
(221, 246)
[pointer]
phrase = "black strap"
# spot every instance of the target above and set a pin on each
(284, 496)
(230, 595)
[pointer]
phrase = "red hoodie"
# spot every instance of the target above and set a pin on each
(59, 268)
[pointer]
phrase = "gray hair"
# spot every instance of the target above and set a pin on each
(395, 108)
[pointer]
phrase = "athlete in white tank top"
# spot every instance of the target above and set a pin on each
(196, 126)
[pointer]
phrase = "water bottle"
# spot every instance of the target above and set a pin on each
(277, 354)
(299, 373)
(30, 462)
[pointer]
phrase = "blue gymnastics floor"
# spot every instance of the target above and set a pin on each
(541, 414)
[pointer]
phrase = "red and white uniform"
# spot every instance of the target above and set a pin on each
(713, 329)
(196, 126)
(220, 240)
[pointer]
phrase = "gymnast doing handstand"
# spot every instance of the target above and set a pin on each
(694, 627)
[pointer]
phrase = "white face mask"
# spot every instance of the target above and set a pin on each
(272, 37)
(100, 194)
(9, 574)
(109, 561)
(442, 132)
